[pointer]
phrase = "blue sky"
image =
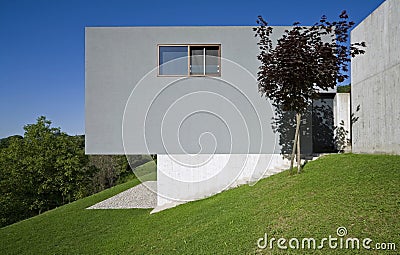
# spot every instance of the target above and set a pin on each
(42, 44)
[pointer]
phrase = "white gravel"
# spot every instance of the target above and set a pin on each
(141, 196)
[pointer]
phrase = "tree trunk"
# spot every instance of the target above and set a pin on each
(296, 136)
(298, 119)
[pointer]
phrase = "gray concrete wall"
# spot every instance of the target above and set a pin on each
(183, 178)
(129, 109)
(342, 111)
(376, 82)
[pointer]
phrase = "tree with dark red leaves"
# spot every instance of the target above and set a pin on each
(304, 61)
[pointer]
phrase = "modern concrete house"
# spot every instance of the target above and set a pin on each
(189, 95)
(376, 82)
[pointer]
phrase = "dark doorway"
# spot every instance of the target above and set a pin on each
(322, 124)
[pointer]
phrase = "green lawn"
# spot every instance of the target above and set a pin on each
(359, 192)
(145, 172)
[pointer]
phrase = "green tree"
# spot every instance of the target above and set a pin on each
(5, 142)
(344, 89)
(45, 169)
(110, 168)
(16, 189)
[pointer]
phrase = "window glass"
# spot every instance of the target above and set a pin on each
(204, 60)
(197, 60)
(212, 60)
(173, 60)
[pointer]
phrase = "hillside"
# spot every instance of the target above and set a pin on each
(359, 192)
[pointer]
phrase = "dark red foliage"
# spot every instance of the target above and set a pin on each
(304, 61)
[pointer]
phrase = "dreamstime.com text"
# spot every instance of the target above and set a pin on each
(332, 242)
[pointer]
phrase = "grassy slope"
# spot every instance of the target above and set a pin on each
(145, 172)
(359, 192)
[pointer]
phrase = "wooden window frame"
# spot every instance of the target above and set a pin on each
(188, 62)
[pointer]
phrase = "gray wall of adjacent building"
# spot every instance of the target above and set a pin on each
(376, 82)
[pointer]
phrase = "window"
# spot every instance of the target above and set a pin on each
(189, 60)
(173, 60)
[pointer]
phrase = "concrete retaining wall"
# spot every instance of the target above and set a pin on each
(183, 178)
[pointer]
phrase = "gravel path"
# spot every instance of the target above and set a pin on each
(139, 196)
